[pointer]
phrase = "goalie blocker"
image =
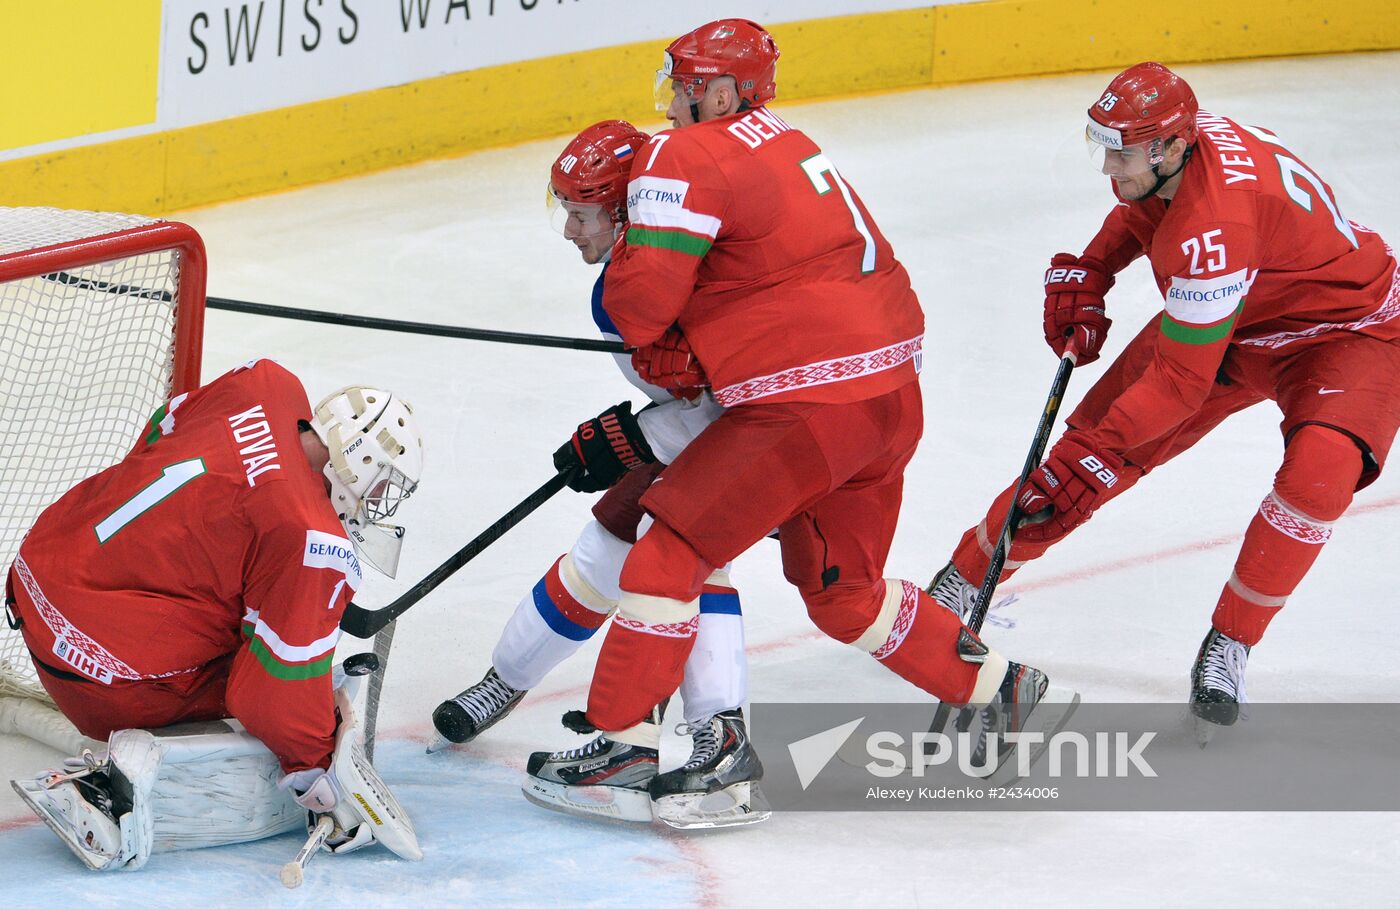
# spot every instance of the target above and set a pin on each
(212, 784)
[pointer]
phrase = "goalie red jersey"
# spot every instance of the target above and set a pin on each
(208, 563)
(823, 313)
(1252, 251)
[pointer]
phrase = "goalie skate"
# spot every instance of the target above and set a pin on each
(81, 810)
(718, 786)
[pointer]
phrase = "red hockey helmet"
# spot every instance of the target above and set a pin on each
(1142, 103)
(725, 47)
(594, 167)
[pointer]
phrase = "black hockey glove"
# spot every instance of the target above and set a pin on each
(603, 449)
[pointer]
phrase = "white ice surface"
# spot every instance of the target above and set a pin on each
(976, 187)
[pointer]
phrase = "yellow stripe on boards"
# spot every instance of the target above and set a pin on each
(1007, 38)
(557, 96)
(76, 67)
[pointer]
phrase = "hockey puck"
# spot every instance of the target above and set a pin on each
(361, 664)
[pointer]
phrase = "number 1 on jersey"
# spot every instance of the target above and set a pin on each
(816, 168)
(171, 479)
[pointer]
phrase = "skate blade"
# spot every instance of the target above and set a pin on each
(1205, 731)
(439, 743)
(29, 791)
(1048, 717)
(611, 803)
(738, 805)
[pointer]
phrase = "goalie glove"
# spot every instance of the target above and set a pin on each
(1074, 480)
(603, 449)
(669, 363)
(1074, 305)
(352, 793)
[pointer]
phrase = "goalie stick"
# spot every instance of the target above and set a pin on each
(364, 623)
(1013, 516)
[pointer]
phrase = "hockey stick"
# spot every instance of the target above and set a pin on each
(1013, 514)
(295, 871)
(334, 318)
(382, 642)
(418, 328)
(364, 623)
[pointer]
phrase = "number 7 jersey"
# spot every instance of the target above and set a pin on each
(744, 232)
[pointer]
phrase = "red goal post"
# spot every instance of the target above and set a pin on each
(101, 322)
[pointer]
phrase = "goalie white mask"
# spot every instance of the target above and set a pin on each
(376, 459)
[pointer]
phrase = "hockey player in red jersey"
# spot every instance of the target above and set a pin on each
(203, 577)
(749, 254)
(1271, 293)
(566, 607)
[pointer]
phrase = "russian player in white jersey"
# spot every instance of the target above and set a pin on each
(621, 453)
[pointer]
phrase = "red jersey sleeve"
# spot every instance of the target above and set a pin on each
(676, 205)
(1205, 271)
(1125, 235)
(300, 573)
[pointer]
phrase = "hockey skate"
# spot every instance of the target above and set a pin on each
(1217, 683)
(82, 807)
(718, 786)
(1025, 703)
(474, 711)
(958, 595)
(607, 778)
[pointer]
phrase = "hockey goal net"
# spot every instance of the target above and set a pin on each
(101, 321)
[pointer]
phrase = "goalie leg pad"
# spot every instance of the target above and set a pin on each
(180, 787)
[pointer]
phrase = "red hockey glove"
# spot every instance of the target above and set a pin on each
(1074, 307)
(669, 363)
(603, 449)
(1063, 493)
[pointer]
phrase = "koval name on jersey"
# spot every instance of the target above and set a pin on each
(258, 448)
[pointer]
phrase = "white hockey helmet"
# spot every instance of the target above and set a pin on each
(376, 460)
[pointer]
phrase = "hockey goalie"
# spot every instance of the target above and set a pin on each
(184, 605)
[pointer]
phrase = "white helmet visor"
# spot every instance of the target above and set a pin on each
(1114, 159)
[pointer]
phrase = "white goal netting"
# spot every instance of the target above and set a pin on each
(90, 346)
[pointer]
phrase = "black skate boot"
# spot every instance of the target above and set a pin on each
(953, 592)
(1217, 682)
(958, 595)
(606, 778)
(473, 711)
(718, 786)
(1024, 703)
